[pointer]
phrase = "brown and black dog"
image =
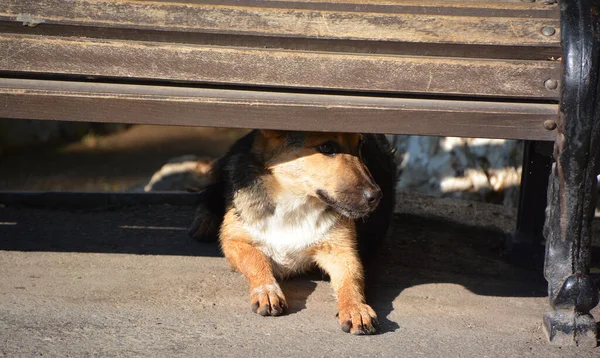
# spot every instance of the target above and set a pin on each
(285, 202)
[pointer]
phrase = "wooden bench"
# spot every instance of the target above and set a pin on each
(471, 68)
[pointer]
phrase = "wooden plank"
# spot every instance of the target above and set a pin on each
(501, 4)
(276, 68)
(97, 102)
(479, 8)
(385, 5)
(289, 43)
(441, 26)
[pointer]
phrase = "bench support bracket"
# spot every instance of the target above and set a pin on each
(573, 181)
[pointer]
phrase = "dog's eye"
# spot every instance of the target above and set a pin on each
(329, 148)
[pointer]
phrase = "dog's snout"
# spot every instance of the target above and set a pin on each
(372, 196)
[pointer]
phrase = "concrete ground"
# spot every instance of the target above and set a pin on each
(128, 281)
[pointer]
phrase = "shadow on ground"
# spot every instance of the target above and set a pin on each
(424, 250)
(419, 250)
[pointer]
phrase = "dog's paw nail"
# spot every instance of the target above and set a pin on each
(360, 330)
(264, 311)
(347, 326)
(359, 319)
(268, 300)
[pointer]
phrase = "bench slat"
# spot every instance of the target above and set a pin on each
(97, 102)
(516, 8)
(288, 69)
(443, 23)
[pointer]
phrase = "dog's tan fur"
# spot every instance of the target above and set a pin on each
(312, 200)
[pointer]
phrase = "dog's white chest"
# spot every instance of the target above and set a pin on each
(294, 227)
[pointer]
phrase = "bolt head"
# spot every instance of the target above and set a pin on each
(551, 84)
(548, 31)
(550, 125)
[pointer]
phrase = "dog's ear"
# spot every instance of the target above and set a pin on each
(272, 134)
(361, 141)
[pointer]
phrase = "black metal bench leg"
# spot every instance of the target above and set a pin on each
(525, 245)
(571, 290)
(572, 190)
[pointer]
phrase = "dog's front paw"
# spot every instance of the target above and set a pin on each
(268, 300)
(358, 319)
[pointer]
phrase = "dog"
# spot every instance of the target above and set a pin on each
(284, 202)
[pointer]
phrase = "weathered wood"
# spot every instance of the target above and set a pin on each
(276, 68)
(97, 102)
(509, 8)
(533, 52)
(429, 22)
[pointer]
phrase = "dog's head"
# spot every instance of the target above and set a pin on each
(322, 165)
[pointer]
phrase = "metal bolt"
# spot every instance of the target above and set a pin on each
(548, 31)
(550, 125)
(551, 84)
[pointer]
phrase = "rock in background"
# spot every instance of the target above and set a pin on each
(469, 168)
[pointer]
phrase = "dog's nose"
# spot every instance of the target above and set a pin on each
(372, 196)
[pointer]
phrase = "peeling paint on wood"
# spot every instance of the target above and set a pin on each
(29, 20)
